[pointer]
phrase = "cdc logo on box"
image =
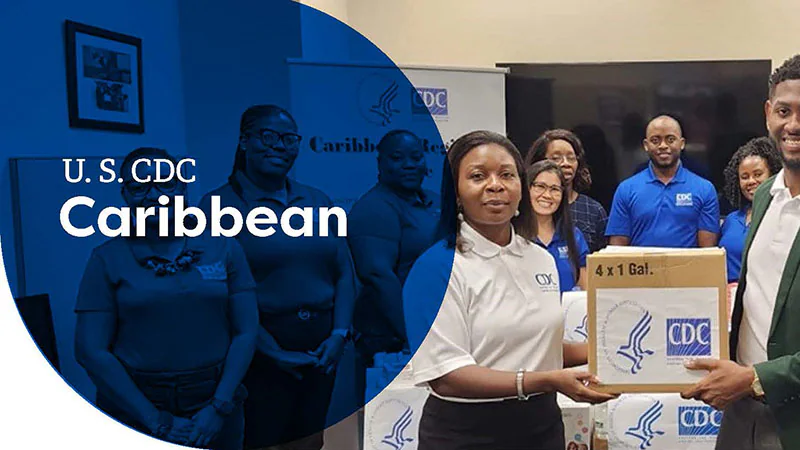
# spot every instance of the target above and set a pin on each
(429, 100)
(689, 337)
(698, 421)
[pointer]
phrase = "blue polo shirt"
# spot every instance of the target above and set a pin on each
(409, 223)
(171, 322)
(290, 273)
(558, 248)
(734, 232)
(655, 214)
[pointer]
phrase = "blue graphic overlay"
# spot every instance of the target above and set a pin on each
(633, 350)
(688, 337)
(698, 421)
(644, 429)
(384, 107)
(207, 265)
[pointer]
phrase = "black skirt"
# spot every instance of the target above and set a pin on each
(534, 424)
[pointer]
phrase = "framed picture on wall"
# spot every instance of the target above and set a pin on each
(104, 79)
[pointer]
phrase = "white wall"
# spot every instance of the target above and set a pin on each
(482, 33)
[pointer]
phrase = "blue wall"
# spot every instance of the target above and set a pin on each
(204, 62)
(33, 92)
(233, 55)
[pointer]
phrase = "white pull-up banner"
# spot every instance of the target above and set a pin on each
(343, 110)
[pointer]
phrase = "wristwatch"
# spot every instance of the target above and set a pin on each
(222, 407)
(758, 390)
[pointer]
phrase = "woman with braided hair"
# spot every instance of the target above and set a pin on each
(750, 166)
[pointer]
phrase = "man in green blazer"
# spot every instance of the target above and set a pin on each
(759, 389)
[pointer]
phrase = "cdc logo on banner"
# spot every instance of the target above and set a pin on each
(698, 421)
(377, 95)
(688, 337)
(429, 100)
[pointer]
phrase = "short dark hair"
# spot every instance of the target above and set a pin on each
(449, 226)
(248, 119)
(562, 219)
(389, 140)
(583, 178)
(789, 70)
(762, 147)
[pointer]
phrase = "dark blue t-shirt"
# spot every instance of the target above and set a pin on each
(291, 273)
(409, 224)
(167, 322)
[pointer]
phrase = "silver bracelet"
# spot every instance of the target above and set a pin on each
(520, 390)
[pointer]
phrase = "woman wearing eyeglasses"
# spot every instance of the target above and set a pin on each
(305, 288)
(565, 149)
(554, 229)
(166, 326)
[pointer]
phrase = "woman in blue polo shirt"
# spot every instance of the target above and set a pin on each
(750, 166)
(166, 326)
(565, 149)
(388, 228)
(305, 288)
(554, 228)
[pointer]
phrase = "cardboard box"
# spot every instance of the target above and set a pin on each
(649, 310)
(661, 422)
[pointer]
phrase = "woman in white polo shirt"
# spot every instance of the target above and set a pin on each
(494, 355)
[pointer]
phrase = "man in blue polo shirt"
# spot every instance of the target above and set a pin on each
(664, 205)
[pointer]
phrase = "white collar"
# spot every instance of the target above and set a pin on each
(486, 248)
(779, 185)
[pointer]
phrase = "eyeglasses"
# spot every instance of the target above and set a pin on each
(558, 158)
(270, 138)
(140, 190)
(540, 188)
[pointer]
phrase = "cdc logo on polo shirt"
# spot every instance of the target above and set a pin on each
(683, 199)
(547, 282)
(698, 421)
(688, 337)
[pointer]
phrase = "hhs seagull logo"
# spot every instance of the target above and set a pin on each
(644, 427)
(396, 438)
(633, 349)
(383, 107)
(582, 330)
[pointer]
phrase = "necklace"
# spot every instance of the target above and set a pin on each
(182, 263)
